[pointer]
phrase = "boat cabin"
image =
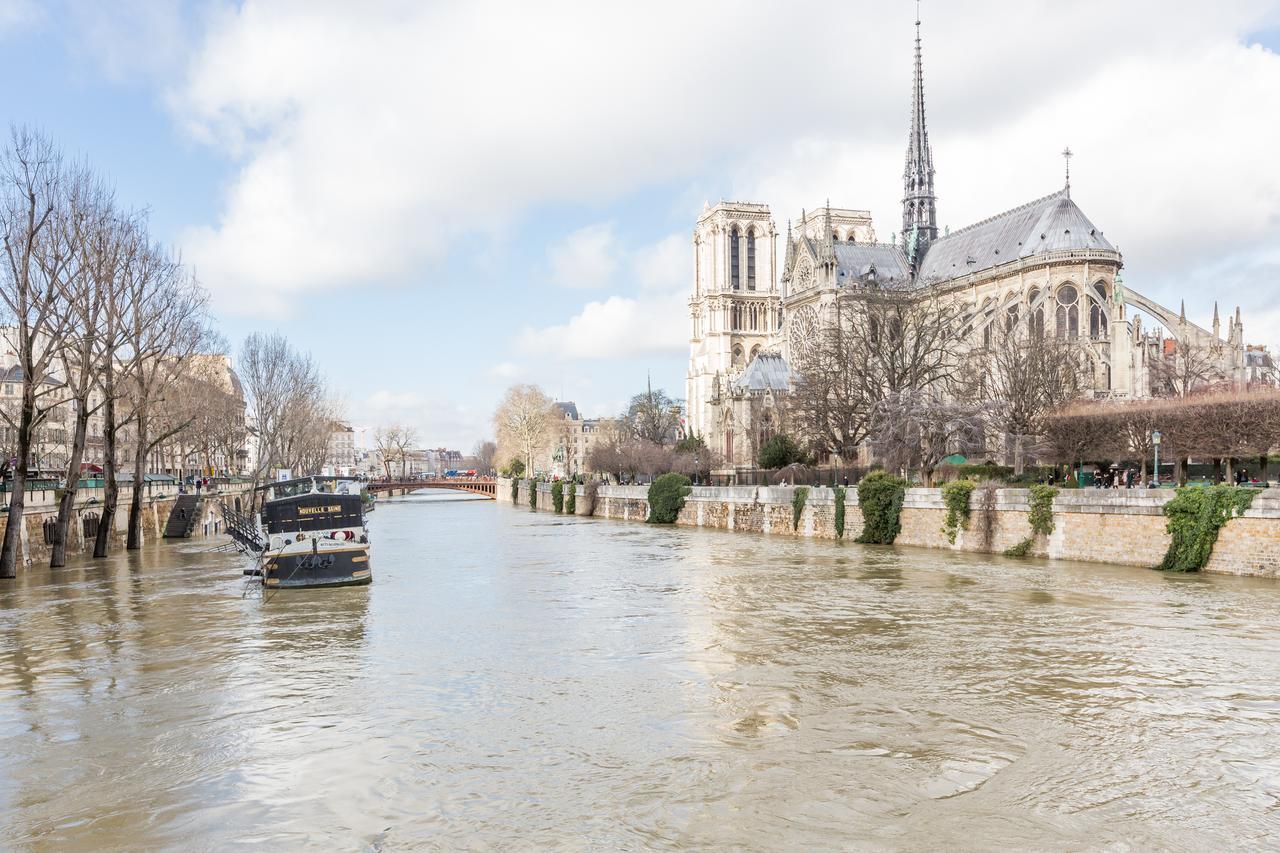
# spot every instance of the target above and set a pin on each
(312, 503)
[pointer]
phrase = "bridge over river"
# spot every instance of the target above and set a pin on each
(486, 486)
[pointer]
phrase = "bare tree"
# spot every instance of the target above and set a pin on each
(524, 421)
(654, 416)
(1026, 374)
(916, 430)
(484, 452)
(288, 405)
(876, 345)
(387, 441)
(95, 235)
(33, 213)
(1188, 369)
(166, 327)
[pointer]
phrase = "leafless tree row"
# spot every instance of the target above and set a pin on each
(1214, 426)
(102, 321)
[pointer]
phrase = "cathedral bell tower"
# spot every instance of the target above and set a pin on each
(919, 213)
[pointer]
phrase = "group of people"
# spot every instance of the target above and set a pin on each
(1114, 478)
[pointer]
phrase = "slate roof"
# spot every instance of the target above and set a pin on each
(1050, 224)
(768, 371)
(569, 409)
(855, 262)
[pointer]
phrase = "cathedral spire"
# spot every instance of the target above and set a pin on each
(919, 213)
(828, 250)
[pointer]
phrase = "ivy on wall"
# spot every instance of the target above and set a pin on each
(533, 493)
(515, 490)
(956, 496)
(798, 499)
(557, 496)
(840, 496)
(1196, 515)
(880, 497)
(1040, 517)
(571, 498)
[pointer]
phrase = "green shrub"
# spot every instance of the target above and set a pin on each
(515, 490)
(1022, 549)
(956, 496)
(557, 496)
(1195, 516)
(880, 497)
(666, 497)
(533, 493)
(798, 499)
(779, 452)
(571, 498)
(840, 495)
(514, 469)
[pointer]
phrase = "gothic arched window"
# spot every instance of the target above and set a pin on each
(735, 279)
(1037, 322)
(1094, 324)
(751, 260)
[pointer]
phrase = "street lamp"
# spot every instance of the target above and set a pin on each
(1155, 442)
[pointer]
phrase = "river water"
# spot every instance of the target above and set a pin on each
(524, 681)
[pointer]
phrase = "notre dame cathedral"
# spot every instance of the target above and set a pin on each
(752, 310)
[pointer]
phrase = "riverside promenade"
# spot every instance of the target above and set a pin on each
(1120, 527)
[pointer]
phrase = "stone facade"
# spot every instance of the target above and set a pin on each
(1124, 527)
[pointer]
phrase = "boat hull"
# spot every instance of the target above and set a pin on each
(327, 567)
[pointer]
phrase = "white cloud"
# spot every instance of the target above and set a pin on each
(616, 327)
(666, 265)
(506, 370)
(438, 423)
(585, 258)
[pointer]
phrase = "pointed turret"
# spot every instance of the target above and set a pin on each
(919, 209)
(1182, 312)
(827, 250)
(791, 255)
(1217, 326)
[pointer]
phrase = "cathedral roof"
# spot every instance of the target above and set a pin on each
(768, 371)
(1050, 224)
(856, 261)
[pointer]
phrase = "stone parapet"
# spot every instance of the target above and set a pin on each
(1119, 526)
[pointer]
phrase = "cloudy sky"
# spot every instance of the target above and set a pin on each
(438, 199)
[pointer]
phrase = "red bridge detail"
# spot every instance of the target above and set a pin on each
(486, 486)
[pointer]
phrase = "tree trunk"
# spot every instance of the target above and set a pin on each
(1263, 460)
(67, 504)
(110, 490)
(1019, 457)
(133, 540)
(17, 498)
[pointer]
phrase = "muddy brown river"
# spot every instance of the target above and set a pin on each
(522, 681)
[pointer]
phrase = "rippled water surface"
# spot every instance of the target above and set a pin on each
(525, 681)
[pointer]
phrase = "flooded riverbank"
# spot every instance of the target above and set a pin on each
(527, 680)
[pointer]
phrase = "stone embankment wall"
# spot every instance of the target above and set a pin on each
(1124, 527)
(41, 505)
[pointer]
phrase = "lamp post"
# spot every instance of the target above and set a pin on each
(1155, 442)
